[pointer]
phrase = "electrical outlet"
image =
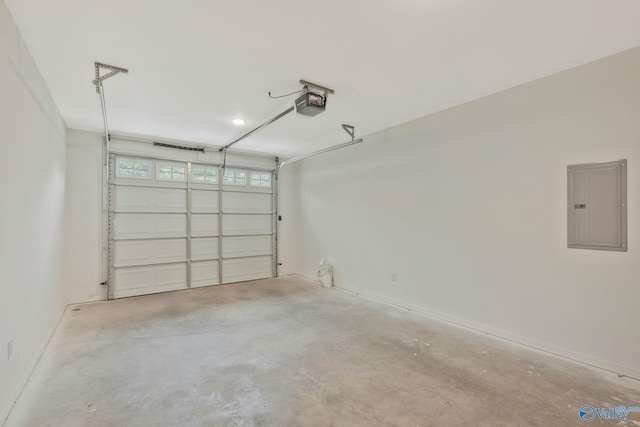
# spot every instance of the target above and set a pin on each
(9, 350)
(394, 277)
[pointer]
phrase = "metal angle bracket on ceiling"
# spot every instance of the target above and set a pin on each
(113, 70)
(351, 130)
(310, 85)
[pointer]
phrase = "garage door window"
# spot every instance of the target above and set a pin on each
(133, 168)
(171, 172)
(206, 175)
(260, 180)
(234, 177)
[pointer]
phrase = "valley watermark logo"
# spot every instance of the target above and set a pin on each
(588, 413)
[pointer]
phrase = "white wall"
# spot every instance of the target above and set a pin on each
(83, 240)
(289, 227)
(468, 208)
(32, 295)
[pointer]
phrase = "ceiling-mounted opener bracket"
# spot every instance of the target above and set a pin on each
(310, 86)
(351, 130)
(113, 70)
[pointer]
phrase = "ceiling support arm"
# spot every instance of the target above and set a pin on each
(105, 167)
(350, 130)
(324, 150)
(105, 196)
(103, 104)
(262, 126)
(113, 70)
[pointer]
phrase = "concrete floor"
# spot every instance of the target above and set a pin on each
(285, 352)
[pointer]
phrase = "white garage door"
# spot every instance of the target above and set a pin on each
(177, 225)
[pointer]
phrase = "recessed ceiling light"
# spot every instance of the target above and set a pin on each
(237, 122)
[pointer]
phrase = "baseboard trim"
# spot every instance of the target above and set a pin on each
(564, 353)
(4, 415)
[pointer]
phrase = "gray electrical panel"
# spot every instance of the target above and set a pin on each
(597, 206)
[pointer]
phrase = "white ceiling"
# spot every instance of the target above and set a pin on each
(197, 64)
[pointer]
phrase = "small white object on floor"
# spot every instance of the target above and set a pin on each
(325, 274)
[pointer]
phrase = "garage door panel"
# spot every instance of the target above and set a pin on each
(149, 226)
(167, 228)
(246, 246)
(149, 199)
(238, 225)
(204, 225)
(204, 273)
(204, 248)
(148, 279)
(204, 201)
(241, 202)
(198, 185)
(141, 252)
(243, 269)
